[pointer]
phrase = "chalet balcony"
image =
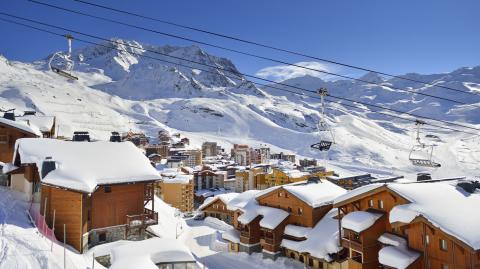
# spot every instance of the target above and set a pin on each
(352, 244)
(148, 218)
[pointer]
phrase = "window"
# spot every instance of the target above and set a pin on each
(380, 204)
(286, 195)
(289, 210)
(443, 245)
(300, 211)
(370, 203)
(107, 189)
(279, 194)
(427, 240)
(444, 266)
(3, 139)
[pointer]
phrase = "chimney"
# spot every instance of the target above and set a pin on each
(115, 137)
(9, 115)
(48, 166)
(81, 136)
(423, 176)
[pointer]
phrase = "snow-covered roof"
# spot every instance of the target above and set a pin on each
(242, 199)
(322, 239)
(83, 166)
(441, 203)
(397, 257)
(359, 221)
(392, 240)
(313, 193)
(271, 217)
(147, 253)
(225, 198)
(22, 125)
(355, 192)
(445, 205)
(296, 231)
(44, 123)
(175, 176)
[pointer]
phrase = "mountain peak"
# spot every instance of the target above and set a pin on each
(372, 77)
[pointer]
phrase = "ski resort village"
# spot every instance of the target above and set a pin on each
(214, 135)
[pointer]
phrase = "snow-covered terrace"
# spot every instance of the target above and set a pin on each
(83, 166)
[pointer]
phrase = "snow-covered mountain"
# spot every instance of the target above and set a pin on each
(121, 91)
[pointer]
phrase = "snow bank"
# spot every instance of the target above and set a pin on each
(147, 253)
(169, 223)
(359, 221)
(396, 257)
(83, 166)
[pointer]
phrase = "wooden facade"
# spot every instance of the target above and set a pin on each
(421, 236)
(108, 206)
(8, 137)
(218, 209)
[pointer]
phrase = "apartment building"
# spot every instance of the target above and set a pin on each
(285, 175)
(209, 149)
(176, 189)
(241, 154)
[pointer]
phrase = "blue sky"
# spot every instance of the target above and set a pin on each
(392, 36)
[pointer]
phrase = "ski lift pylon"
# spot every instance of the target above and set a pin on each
(326, 135)
(426, 151)
(62, 63)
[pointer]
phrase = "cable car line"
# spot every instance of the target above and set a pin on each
(264, 45)
(259, 56)
(256, 83)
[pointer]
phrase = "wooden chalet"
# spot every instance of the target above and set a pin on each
(10, 131)
(262, 222)
(216, 207)
(99, 190)
(417, 225)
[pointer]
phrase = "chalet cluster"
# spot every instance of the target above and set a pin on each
(424, 224)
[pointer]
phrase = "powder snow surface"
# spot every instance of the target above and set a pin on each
(83, 166)
(22, 125)
(321, 240)
(315, 194)
(359, 221)
(397, 257)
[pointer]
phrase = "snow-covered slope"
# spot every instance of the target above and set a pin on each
(121, 91)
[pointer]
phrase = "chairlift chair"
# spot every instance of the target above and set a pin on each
(421, 154)
(326, 135)
(61, 63)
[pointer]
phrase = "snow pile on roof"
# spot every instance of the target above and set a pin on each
(225, 198)
(392, 240)
(271, 217)
(445, 205)
(359, 221)
(231, 235)
(83, 166)
(22, 125)
(296, 231)
(397, 257)
(149, 252)
(321, 240)
(242, 199)
(44, 123)
(315, 194)
(173, 175)
(7, 167)
(294, 173)
(356, 192)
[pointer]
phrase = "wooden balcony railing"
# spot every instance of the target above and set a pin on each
(149, 217)
(355, 245)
